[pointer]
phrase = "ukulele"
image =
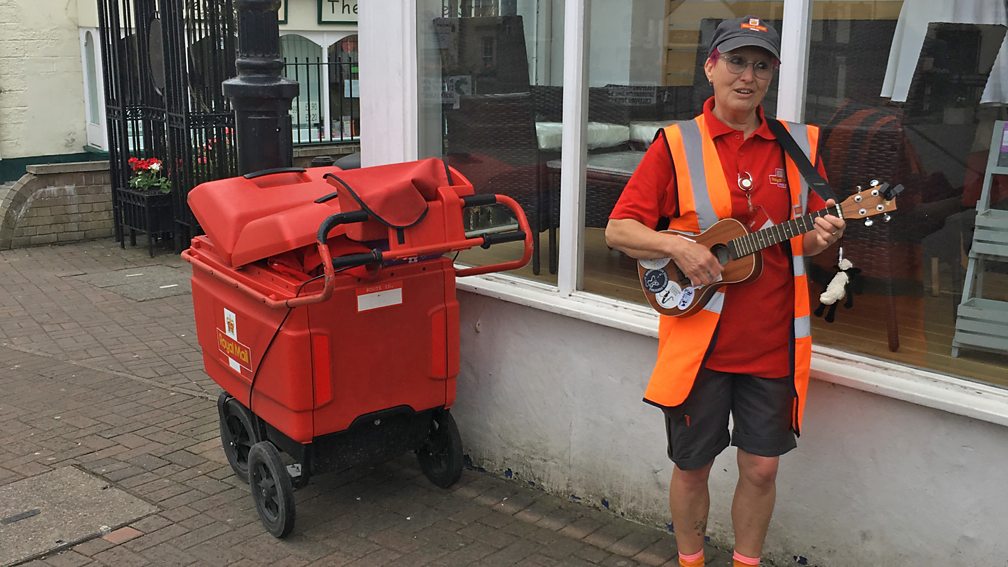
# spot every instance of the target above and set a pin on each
(671, 293)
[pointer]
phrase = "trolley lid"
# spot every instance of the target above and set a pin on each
(395, 196)
(263, 214)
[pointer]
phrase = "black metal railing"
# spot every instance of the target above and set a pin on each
(327, 109)
(164, 62)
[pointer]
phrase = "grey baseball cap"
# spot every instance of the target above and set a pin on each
(745, 32)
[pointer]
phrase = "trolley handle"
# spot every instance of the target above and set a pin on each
(264, 172)
(339, 218)
(523, 233)
(353, 260)
(479, 200)
(501, 237)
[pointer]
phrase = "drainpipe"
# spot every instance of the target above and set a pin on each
(260, 95)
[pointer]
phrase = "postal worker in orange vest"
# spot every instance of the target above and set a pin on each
(747, 352)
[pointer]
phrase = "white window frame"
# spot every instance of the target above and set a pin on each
(95, 132)
(391, 75)
(325, 40)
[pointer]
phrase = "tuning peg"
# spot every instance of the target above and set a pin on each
(873, 183)
(859, 188)
(869, 222)
(886, 217)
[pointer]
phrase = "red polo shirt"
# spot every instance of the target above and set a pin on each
(755, 324)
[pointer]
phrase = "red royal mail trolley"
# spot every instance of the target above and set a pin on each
(326, 310)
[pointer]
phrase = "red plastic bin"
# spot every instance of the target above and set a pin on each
(326, 311)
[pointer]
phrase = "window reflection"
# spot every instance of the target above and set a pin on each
(645, 70)
(491, 106)
(922, 117)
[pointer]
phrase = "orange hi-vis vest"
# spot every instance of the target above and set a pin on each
(704, 198)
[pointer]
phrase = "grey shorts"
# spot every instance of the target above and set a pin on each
(761, 410)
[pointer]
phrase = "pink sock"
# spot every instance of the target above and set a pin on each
(739, 559)
(692, 560)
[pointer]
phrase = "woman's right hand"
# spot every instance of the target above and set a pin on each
(634, 239)
(694, 260)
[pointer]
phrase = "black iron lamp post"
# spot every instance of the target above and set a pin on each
(260, 95)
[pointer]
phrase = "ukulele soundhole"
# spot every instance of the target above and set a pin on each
(720, 251)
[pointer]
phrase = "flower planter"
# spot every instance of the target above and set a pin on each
(144, 211)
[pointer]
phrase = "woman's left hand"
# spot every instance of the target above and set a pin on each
(828, 230)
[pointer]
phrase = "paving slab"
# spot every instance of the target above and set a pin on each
(61, 508)
(140, 283)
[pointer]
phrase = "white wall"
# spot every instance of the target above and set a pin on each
(87, 13)
(875, 481)
(388, 91)
(42, 99)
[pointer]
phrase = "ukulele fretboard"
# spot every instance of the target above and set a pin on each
(755, 241)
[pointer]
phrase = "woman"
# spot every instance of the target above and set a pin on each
(747, 353)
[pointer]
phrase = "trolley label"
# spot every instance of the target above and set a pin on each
(239, 356)
(379, 295)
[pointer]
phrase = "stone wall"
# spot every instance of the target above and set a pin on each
(57, 203)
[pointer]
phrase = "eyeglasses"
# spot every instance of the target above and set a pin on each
(737, 65)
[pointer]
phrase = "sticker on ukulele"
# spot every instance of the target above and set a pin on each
(654, 263)
(656, 281)
(686, 299)
(669, 297)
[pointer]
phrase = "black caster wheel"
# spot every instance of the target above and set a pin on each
(440, 455)
(237, 433)
(271, 489)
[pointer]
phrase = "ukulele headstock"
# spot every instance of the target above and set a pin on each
(878, 199)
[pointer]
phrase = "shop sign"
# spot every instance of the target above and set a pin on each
(337, 11)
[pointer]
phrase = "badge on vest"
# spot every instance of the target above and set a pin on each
(779, 178)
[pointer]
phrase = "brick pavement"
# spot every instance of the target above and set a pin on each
(104, 373)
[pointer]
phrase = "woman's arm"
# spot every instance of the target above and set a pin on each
(638, 241)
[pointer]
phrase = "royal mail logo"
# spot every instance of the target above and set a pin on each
(234, 350)
(753, 24)
(777, 178)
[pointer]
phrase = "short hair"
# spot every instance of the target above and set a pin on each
(713, 57)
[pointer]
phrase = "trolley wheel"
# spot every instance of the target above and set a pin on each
(271, 489)
(440, 455)
(237, 434)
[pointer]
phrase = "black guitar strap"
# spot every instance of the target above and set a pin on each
(808, 171)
